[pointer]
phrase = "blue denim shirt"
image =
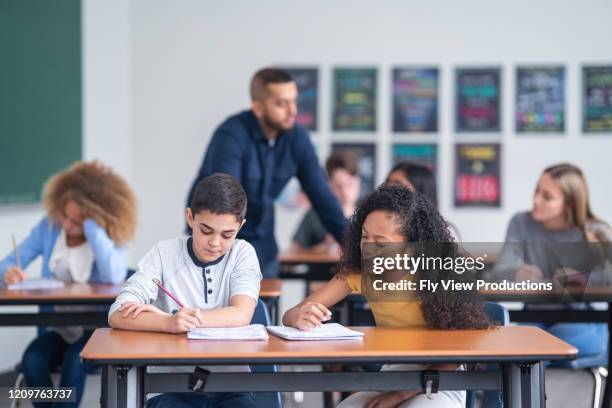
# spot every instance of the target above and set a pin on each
(239, 148)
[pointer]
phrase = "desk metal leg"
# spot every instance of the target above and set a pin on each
(122, 386)
(541, 372)
(525, 385)
(532, 383)
(126, 396)
(139, 388)
(608, 385)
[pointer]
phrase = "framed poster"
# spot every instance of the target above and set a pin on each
(415, 99)
(477, 96)
(540, 99)
(597, 98)
(366, 155)
(307, 80)
(477, 175)
(354, 99)
(423, 154)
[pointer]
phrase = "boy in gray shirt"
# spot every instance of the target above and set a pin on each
(215, 276)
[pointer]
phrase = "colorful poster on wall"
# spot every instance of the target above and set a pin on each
(540, 99)
(366, 154)
(597, 99)
(415, 99)
(307, 80)
(478, 98)
(425, 154)
(354, 102)
(477, 175)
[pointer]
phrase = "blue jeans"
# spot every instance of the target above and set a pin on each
(589, 338)
(211, 400)
(48, 352)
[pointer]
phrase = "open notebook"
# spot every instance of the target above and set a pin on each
(250, 332)
(34, 284)
(328, 331)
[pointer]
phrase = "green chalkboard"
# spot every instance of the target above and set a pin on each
(40, 93)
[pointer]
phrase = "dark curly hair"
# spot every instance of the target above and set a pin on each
(422, 225)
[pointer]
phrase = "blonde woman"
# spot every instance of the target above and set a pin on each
(91, 213)
(560, 217)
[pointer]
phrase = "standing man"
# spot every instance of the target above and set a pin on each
(263, 148)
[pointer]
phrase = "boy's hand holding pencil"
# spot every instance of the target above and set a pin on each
(181, 322)
(184, 320)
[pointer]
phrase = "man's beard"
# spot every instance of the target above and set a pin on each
(277, 126)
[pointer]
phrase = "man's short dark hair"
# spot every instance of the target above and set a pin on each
(265, 77)
(342, 159)
(220, 193)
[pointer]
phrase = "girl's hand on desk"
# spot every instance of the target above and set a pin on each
(391, 399)
(311, 315)
(133, 309)
(13, 275)
(185, 320)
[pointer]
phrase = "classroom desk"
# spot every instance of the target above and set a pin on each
(70, 294)
(89, 295)
(125, 356)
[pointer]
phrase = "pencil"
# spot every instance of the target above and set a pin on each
(17, 257)
(159, 285)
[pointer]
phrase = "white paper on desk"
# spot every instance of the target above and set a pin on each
(328, 331)
(250, 332)
(34, 284)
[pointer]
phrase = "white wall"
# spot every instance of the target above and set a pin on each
(192, 61)
(106, 132)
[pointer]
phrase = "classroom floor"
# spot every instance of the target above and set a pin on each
(563, 389)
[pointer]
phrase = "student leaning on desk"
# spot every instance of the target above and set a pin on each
(393, 214)
(91, 213)
(539, 239)
(213, 274)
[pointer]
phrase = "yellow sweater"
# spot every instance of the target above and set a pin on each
(393, 313)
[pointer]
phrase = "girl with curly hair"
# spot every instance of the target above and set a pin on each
(394, 214)
(91, 214)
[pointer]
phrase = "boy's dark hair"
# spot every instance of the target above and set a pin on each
(220, 193)
(265, 77)
(342, 159)
(421, 177)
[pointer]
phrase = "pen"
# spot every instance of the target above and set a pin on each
(159, 285)
(17, 257)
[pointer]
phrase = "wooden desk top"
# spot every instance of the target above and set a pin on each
(307, 257)
(270, 288)
(71, 293)
(391, 345)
